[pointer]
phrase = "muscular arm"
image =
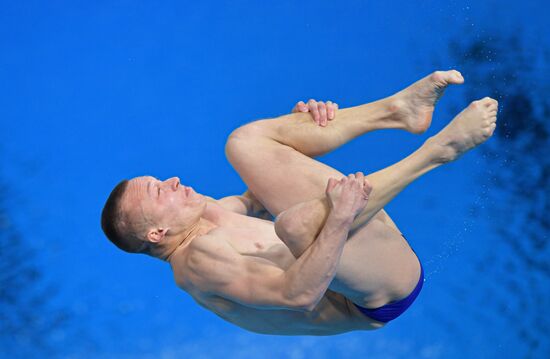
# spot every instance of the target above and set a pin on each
(218, 269)
(245, 204)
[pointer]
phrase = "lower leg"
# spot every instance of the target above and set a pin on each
(410, 109)
(374, 270)
(377, 265)
(273, 157)
(300, 224)
(298, 131)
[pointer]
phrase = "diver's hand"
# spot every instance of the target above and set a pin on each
(348, 196)
(320, 111)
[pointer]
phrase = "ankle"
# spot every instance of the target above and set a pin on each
(400, 114)
(438, 151)
(390, 110)
(394, 104)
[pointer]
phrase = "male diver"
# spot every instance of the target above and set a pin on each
(332, 261)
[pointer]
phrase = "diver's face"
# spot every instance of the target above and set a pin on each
(163, 204)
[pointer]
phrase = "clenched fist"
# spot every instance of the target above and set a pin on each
(349, 196)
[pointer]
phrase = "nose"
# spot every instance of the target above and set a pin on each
(173, 182)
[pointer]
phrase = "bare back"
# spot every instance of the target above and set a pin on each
(256, 238)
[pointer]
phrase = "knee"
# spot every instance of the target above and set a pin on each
(242, 140)
(236, 143)
(247, 131)
(288, 226)
(254, 143)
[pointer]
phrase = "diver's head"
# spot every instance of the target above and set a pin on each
(146, 215)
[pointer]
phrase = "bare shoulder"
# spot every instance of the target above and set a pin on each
(213, 244)
(208, 259)
(214, 268)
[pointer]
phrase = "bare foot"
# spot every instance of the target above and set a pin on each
(414, 105)
(470, 128)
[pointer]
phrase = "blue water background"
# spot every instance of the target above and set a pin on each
(93, 92)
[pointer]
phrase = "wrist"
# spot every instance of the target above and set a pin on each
(340, 218)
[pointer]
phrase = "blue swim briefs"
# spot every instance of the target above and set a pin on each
(393, 310)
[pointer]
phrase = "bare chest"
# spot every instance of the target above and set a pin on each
(256, 237)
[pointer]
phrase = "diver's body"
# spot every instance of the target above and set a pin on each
(331, 254)
(254, 237)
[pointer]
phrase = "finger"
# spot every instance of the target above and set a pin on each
(334, 110)
(312, 104)
(331, 184)
(330, 110)
(365, 190)
(360, 177)
(302, 107)
(322, 112)
(367, 187)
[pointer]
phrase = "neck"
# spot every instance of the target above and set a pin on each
(209, 220)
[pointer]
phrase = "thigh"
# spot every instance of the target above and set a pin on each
(377, 265)
(281, 177)
(278, 175)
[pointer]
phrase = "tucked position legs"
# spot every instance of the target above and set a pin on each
(369, 250)
(272, 156)
(266, 155)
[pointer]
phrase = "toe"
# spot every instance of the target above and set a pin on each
(439, 77)
(444, 78)
(456, 76)
(447, 77)
(487, 131)
(493, 127)
(489, 102)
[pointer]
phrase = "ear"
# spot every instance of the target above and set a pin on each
(156, 235)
